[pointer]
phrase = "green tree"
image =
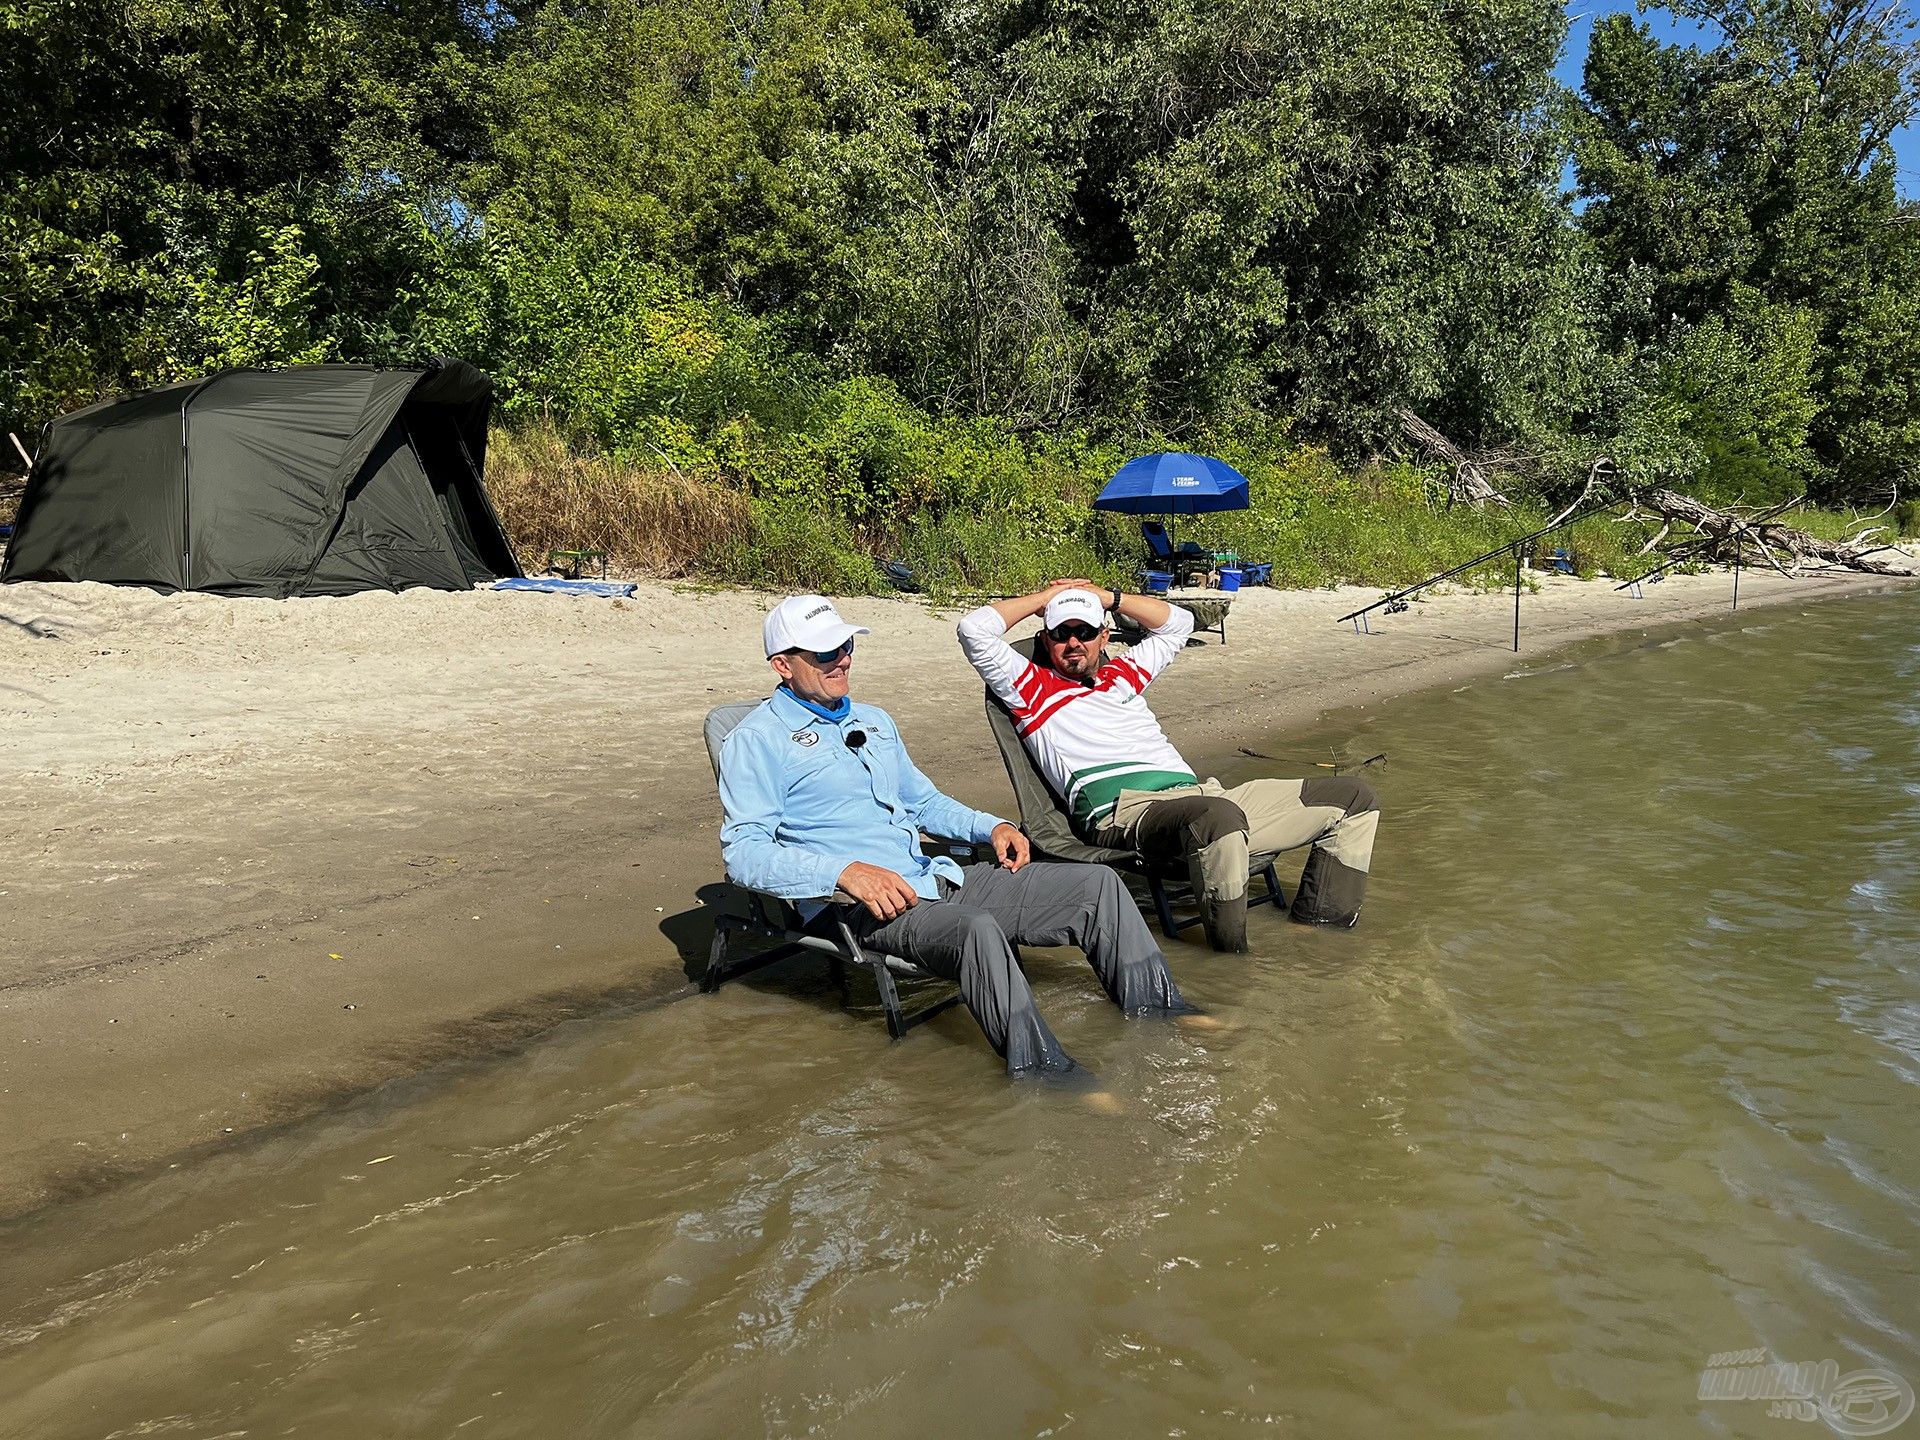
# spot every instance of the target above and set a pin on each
(174, 168)
(1742, 386)
(1762, 165)
(1326, 210)
(759, 149)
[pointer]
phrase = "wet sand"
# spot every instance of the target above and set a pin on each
(257, 857)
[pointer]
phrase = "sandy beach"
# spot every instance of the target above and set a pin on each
(257, 857)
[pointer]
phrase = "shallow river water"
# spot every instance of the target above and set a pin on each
(1617, 1074)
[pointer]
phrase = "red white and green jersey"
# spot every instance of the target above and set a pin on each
(1091, 739)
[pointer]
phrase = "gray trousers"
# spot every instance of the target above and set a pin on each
(968, 936)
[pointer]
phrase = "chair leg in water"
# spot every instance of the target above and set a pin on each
(716, 959)
(882, 979)
(1163, 907)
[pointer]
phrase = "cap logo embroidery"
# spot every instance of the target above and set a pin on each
(817, 610)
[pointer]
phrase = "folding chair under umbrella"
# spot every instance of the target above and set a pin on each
(1174, 482)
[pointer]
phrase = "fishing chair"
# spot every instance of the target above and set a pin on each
(1047, 821)
(1185, 563)
(745, 912)
(1209, 618)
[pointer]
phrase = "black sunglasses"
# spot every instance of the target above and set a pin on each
(1072, 630)
(824, 658)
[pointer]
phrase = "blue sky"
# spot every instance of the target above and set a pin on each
(1582, 13)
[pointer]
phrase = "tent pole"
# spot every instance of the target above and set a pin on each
(186, 483)
(486, 500)
(1516, 599)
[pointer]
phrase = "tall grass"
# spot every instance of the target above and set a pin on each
(650, 521)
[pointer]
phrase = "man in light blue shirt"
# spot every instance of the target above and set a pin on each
(820, 795)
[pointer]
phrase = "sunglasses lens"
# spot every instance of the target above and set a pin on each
(1073, 630)
(832, 657)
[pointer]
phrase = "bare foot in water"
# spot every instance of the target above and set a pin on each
(1202, 1024)
(1103, 1102)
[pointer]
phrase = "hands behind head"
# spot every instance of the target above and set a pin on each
(884, 892)
(1010, 846)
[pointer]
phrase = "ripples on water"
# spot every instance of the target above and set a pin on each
(1618, 1072)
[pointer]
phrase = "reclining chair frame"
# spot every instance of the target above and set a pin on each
(1183, 564)
(772, 918)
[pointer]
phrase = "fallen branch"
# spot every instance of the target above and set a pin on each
(1727, 533)
(1601, 469)
(1893, 499)
(1467, 483)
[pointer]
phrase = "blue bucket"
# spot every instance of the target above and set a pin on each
(1229, 579)
(1156, 581)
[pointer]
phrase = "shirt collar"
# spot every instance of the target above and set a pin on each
(800, 713)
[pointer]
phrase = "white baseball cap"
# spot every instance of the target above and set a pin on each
(1075, 605)
(806, 622)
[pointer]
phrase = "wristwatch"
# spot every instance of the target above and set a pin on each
(1116, 599)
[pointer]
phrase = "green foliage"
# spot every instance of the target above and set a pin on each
(192, 184)
(621, 352)
(1752, 183)
(262, 316)
(793, 547)
(912, 279)
(1741, 387)
(762, 150)
(1183, 215)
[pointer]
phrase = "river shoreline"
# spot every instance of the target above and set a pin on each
(259, 858)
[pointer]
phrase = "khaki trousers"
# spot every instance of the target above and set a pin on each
(1337, 815)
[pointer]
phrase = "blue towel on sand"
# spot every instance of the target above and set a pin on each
(615, 589)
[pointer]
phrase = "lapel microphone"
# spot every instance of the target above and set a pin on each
(855, 739)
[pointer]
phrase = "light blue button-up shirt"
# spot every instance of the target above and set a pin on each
(801, 806)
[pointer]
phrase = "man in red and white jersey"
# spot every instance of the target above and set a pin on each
(1085, 720)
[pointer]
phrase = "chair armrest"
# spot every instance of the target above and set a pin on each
(778, 910)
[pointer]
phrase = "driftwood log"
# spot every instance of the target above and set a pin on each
(1757, 536)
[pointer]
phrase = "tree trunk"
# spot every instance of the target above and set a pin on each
(1467, 483)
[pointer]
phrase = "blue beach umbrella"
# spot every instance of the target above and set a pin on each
(1175, 483)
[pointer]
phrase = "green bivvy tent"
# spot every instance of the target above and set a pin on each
(320, 480)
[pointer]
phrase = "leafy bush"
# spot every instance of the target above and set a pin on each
(794, 547)
(204, 320)
(975, 512)
(1742, 383)
(594, 339)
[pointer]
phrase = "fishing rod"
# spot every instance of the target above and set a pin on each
(1398, 598)
(1333, 765)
